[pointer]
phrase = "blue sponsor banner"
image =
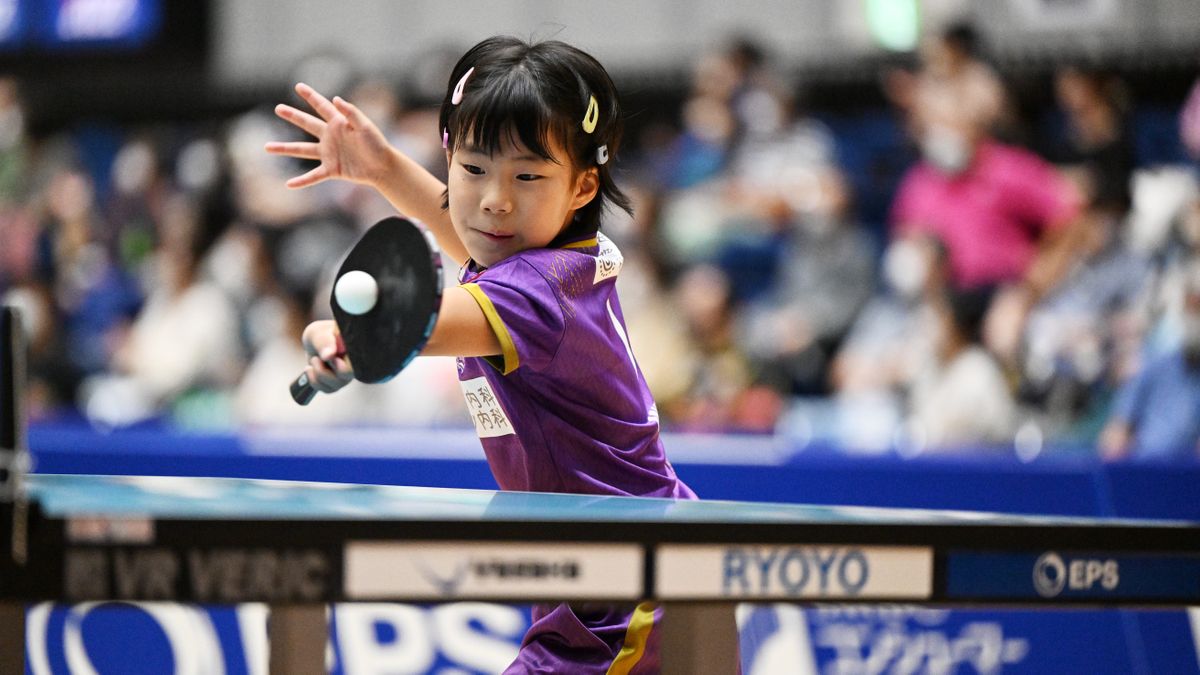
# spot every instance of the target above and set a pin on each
(784, 639)
(137, 638)
(1082, 575)
(779, 639)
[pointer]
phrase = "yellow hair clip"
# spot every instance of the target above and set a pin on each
(592, 116)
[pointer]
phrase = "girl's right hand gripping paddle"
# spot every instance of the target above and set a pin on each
(386, 308)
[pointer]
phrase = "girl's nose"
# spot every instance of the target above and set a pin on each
(496, 199)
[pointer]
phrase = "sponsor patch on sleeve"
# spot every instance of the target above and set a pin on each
(608, 260)
(485, 411)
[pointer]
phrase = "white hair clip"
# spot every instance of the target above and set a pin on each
(591, 116)
(456, 97)
(445, 138)
(602, 155)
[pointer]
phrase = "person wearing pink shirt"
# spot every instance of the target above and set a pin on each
(1008, 219)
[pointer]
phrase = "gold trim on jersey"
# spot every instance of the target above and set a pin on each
(508, 361)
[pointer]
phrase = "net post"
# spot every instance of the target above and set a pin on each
(14, 456)
(14, 463)
(15, 460)
(699, 638)
(298, 636)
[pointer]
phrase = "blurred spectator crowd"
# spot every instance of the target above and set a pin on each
(1029, 285)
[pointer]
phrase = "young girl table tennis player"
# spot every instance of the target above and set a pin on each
(530, 132)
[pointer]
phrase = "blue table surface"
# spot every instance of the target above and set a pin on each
(240, 498)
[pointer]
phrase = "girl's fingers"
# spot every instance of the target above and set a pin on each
(301, 150)
(316, 373)
(350, 112)
(342, 367)
(329, 381)
(307, 122)
(318, 102)
(313, 177)
(325, 379)
(311, 376)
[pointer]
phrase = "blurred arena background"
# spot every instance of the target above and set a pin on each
(166, 270)
(819, 316)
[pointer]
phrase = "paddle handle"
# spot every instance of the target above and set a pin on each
(302, 389)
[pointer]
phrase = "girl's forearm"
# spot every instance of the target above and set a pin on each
(416, 193)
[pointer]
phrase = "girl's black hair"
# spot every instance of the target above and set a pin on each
(535, 92)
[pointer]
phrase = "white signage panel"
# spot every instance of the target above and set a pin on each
(531, 570)
(781, 571)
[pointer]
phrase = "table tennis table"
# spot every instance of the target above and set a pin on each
(299, 546)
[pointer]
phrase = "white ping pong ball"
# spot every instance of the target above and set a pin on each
(356, 292)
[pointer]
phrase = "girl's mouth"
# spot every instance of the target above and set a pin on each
(490, 236)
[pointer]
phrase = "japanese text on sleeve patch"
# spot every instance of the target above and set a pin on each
(485, 411)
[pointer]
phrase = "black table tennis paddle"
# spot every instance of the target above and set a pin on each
(382, 335)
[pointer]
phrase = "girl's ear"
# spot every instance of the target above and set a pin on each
(586, 187)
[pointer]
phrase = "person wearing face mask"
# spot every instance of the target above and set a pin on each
(959, 397)
(1156, 415)
(895, 330)
(893, 336)
(1009, 220)
(823, 278)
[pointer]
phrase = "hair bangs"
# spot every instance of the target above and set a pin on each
(509, 110)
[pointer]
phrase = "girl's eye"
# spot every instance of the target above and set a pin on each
(472, 169)
(528, 177)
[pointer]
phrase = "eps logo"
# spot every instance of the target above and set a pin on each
(1052, 574)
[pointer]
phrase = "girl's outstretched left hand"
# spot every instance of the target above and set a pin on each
(348, 145)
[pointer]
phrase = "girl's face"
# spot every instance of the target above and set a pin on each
(513, 200)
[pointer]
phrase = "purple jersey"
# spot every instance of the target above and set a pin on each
(564, 408)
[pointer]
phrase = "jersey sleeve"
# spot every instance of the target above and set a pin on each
(525, 313)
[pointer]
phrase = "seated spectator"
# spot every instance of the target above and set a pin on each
(708, 125)
(1009, 220)
(1166, 223)
(94, 297)
(779, 222)
(1078, 337)
(961, 397)
(1156, 415)
(769, 166)
(824, 276)
(721, 394)
(993, 205)
(889, 341)
(895, 330)
(1095, 147)
(185, 339)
